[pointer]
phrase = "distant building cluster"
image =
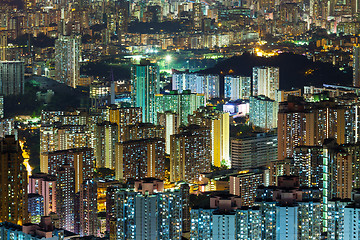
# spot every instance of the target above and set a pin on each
(165, 140)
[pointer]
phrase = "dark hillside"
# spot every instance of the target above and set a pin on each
(296, 71)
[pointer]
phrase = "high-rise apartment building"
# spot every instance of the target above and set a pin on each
(67, 56)
(43, 230)
(343, 219)
(81, 159)
(188, 81)
(333, 168)
(35, 207)
(88, 208)
(72, 136)
(219, 125)
(185, 203)
(308, 165)
(12, 77)
(145, 79)
(335, 224)
(143, 131)
(237, 87)
(245, 184)
(170, 121)
(123, 117)
(75, 117)
(350, 103)
(300, 124)
(288, 211)
(336, 176)
(102, 94)
(142, 158)
(263, 112)
(1, 107)
(285, 211)
(184, 104)
(58, 137)
(111, 191)
(209, 85)
(265, 81)
(257, 150)
(3, 46)
(347, 226)
(217, 220)
(356, 66)
(47, 144)
(190, 153)
(147, 211)
(106, 138)
(44, 185)
(212, 86)
(13, 182)
(249, 224)
(65, 197)
(198, 16)
(292, 130)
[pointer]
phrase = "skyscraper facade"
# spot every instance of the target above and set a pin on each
(88, 208)
(300, 211)
(145, 79)
(147, 211)
(301, 124)
(237, 87)
(207, 84)
(212, 86)
(253, 151)
(123, 117)
(265, 81)
(184, 104)
(3, 46)
(188, 81)
(190, 152)
(215, 220)
(245, 184)
(12, 77)
(170, 121)
(13, 207)
(35, 207)
(141, 158)
(81, 159)
(218, 122)
(44, 185)
(263, 112)
(143, 131)
(106, 138)
(356, 65)
(67, 66)
(65, 198)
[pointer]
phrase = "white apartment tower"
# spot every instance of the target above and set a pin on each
(265, 81)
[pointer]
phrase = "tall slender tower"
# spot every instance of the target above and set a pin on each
(13, 183)
(3, 46)
(145, 79)
(198, 15)
(67, 52)
(356, 66)
(88, 208)
(106, 139)
(65, 199)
